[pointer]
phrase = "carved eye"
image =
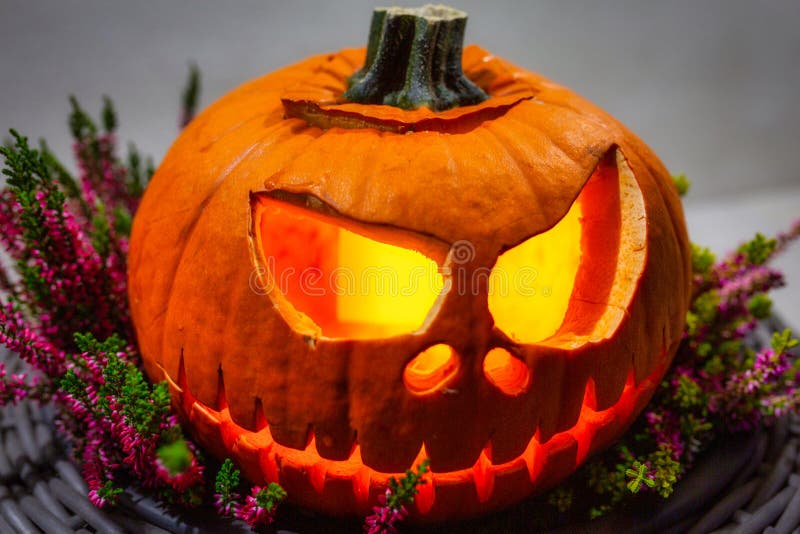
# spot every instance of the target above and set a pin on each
(573, 283)
(530, 285)
(327, 276)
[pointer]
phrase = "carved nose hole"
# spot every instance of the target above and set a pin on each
(505, 372)
(431, 370)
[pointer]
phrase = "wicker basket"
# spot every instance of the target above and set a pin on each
(747, 483)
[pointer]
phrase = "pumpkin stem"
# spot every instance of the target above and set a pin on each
(414, 59)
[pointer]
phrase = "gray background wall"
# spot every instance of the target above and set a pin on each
(711, 85)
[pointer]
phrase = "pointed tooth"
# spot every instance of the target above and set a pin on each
(589, 395)
(222, 399)
(318, 471)
(317, 475)
(261, 418)
(361, 479)
(267, 459)
(483, 475)
(187, 399)
(532, 459)
(426, 493)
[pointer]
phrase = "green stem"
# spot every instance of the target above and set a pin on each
(414, 60)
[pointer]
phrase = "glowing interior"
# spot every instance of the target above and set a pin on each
(507, 373)
(431, 369)
(530, 285)
(348, 284)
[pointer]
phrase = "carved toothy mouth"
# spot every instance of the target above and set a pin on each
(311, 478)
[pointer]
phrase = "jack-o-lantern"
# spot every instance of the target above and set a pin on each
(338, 281)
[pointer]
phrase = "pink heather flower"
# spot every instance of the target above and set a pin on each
(665, 428)
(16, 386)
(227, 506)
(252, 513)
(384, 518)
(102, 178)
(746, 283)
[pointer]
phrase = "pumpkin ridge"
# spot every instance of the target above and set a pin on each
(233, 129)
(186, 244)
(510, 146)
(200, 212)
(190, 216)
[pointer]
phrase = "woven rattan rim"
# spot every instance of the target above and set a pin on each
(746, 484)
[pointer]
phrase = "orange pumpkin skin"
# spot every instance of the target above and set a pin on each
(330, 418)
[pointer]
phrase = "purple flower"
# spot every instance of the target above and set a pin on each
(258, 507)
(384, 518)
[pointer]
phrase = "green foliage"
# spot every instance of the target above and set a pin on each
(137, 176)
(90, 344)
(688, 393)
(81, 124)
(783, 341)
(175, 456)
(702, 259)
(703, 311)
(638, 475)
(191, 91)
(101, 231)
(655, 470)
(760, 305)
(561, 498)
(27, 173)
(682, 184)
(268, 498)
(143, 405)
(109, 492)
(404, 490)
(108, 115)
(68, 184)
(227, 480)
(123, 222)
(28, 176)
(758, 250)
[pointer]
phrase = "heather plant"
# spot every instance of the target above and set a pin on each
(391, 508)
(64, 311)
(257, 509)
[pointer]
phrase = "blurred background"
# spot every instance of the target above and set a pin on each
(711, 86)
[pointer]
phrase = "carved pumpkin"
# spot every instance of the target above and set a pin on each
(539, 251)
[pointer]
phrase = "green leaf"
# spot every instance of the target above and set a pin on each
(175, 457)
(682, 184)
(782, 341)
(760, 305)
(80, 123)
(109, 116)
(191, 91)
(268, 498)
(227, 479)
(702, 259)
(404, 490)
(759, 249)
